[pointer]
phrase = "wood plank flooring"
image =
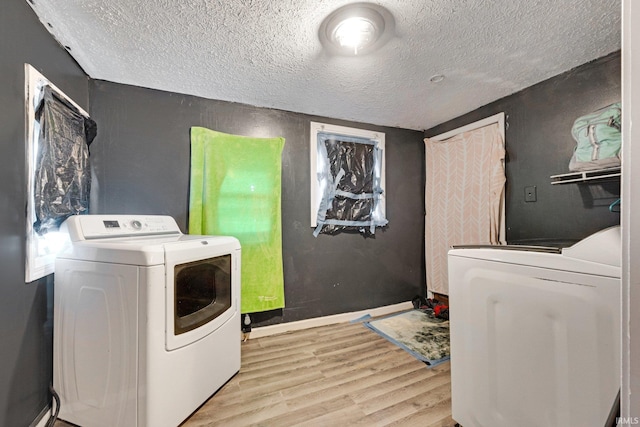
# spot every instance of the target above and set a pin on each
(337, 375)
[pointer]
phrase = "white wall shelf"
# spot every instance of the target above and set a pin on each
(585, 176)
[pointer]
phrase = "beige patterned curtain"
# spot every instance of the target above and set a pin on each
(463, 196)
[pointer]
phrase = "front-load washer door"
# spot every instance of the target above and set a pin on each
(202, 288)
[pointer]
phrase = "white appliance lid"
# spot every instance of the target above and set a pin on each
(598, 254)
(141, 251)
(119, 239)
(603, 247)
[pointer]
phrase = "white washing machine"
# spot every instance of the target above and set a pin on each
(535, 333)
(146, 320)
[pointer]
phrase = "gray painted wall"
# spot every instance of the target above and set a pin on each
(25, 309)
(539, 144)
(141, 158)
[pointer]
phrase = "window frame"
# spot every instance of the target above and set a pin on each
(315, 191)
(41, 251)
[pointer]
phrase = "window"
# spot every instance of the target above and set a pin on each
(347, 179)
(58, 172)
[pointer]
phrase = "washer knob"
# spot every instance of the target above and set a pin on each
(136, 224)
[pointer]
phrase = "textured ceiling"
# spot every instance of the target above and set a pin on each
(267, 52)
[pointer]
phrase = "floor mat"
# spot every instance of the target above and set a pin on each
(419, 332)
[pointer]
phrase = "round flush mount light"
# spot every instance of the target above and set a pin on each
(437, 78)
(356, 29)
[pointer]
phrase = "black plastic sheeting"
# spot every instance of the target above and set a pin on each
(357, 160)
(62, 174)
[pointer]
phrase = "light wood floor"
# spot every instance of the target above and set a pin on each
(338, 375)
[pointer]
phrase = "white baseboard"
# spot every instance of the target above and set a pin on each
(281, 328)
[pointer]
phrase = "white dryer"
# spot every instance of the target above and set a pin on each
(535, 333)
(146, 320)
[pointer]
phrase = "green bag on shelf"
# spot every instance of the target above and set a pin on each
(598, 139)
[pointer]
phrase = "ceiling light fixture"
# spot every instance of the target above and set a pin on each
(356, 29)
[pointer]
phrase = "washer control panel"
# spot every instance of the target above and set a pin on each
(86, 227)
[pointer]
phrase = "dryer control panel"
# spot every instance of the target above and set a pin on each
(87, 227)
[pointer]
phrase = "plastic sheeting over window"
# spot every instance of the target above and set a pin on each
(349, 174)
(62, 174)
(58, 177)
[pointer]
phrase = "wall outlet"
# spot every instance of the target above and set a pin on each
(530, 194)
